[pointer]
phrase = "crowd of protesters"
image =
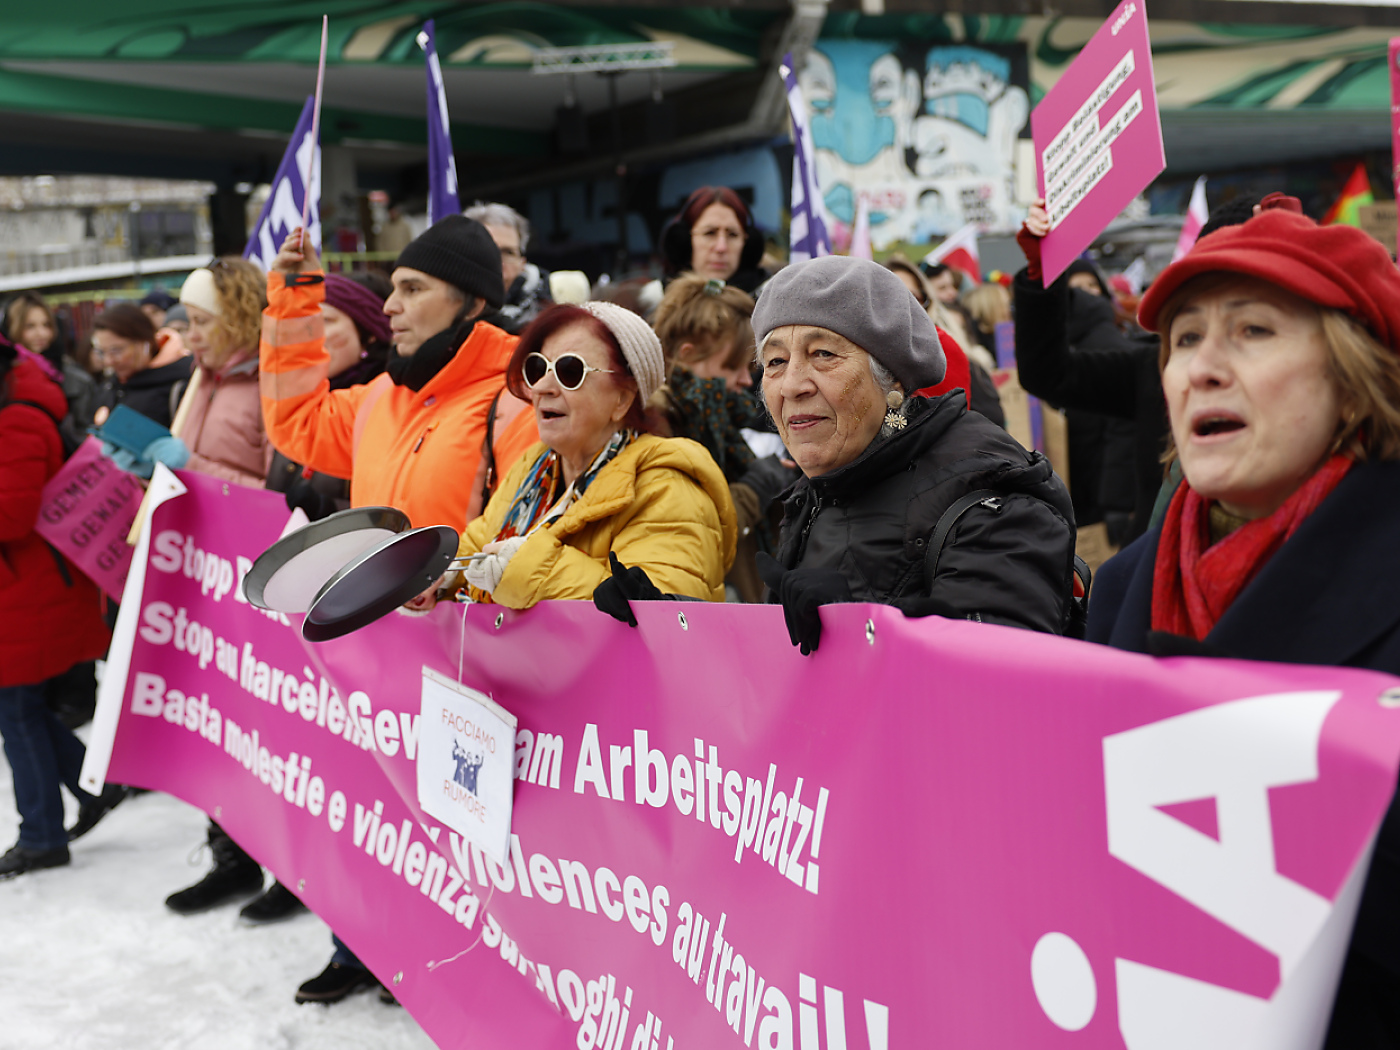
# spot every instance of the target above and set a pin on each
(829, 431)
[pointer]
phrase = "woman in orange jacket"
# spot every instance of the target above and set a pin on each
(425, 418)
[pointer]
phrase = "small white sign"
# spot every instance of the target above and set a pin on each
(466, 754)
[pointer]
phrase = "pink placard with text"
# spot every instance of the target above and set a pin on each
(1098, 136)
(87, 511)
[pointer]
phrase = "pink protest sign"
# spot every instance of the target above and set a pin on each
(1393, 57)
(1098, 136)
(87, 512)
(931, 833)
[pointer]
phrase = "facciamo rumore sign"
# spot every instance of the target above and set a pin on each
(930, 833)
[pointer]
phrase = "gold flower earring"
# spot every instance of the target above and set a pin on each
(894, 418)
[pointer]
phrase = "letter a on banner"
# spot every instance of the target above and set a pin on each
(283, 210)
(442, 165)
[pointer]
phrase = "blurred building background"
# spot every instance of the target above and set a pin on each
(138, 136)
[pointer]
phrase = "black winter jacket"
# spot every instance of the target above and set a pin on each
(871, 520)
(152, 391)
(1116, 378)
(1327, 597)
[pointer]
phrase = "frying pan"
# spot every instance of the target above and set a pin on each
(379, 581)
(288, 576)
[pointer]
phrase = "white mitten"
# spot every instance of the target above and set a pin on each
(485, 574)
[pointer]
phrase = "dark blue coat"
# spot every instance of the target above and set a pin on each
(1329, 596)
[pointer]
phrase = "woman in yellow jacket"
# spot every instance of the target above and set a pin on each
(596, 486)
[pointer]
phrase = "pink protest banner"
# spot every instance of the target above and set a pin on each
(931, 833)
(1098, 136)
(87, 511)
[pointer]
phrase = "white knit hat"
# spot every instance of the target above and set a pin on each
(639, 345)
(201, 291)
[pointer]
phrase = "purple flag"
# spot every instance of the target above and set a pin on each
(282, 212)
(442, 166)
(807, 235)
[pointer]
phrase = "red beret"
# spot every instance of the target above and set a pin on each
(1336, 266)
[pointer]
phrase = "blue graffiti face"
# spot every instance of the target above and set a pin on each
(961, 83)
(852, 88)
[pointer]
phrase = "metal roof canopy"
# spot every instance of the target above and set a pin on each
(152, 87)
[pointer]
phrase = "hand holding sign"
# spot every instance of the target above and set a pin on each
(1098, 136)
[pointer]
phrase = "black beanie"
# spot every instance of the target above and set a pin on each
(459, 251)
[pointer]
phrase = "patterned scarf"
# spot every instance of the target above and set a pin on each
(543, 497)
(1194, 582)
(705, 410)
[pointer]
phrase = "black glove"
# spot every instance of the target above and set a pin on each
(302, 494)
(615, 594)
(802, 593)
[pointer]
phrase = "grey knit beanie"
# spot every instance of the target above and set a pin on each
(639, 344)
(862, 301)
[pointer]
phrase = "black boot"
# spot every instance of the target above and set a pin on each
(334, 983)
(19, 859)
(235, 874)
(276, 903)
(89, 813)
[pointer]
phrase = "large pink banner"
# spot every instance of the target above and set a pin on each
(931, 833)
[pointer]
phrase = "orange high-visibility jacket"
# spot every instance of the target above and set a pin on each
(419, 451)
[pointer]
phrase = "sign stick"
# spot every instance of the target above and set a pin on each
(315, 129)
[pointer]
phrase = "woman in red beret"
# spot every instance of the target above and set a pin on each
(1279, 363)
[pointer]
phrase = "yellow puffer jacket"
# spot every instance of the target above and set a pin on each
(662, 503)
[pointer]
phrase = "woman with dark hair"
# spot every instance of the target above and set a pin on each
(357, 340)
(714, 235)
(125, 343)
(596, 490)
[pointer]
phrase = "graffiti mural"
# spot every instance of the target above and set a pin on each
(927, 135)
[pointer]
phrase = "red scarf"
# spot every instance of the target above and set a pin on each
(1193, 583)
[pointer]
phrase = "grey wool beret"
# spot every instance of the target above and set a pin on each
(862, 301)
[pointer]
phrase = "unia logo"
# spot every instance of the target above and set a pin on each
(468, 766)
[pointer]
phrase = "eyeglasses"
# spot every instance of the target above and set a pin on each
(569, 369)
(115, 349)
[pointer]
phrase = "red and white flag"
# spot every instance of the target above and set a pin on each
(1196, 215)
(959, 250)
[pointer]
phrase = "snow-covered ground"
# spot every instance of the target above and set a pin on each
(91, 959)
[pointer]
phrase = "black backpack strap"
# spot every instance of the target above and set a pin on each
(62, 565)
(35, 404)
(488, 485)
(991, 498)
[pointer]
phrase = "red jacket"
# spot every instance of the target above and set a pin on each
(958, 374)
(50, 613)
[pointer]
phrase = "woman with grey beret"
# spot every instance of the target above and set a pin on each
(905, 501)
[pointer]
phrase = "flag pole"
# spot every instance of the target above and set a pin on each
(315, 130)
